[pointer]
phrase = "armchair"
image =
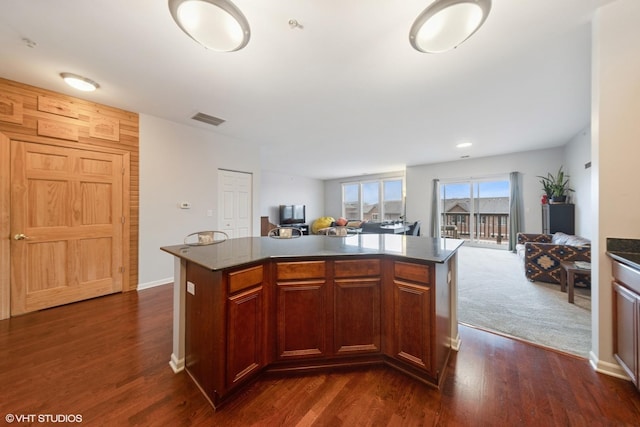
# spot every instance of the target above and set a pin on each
(543, 253)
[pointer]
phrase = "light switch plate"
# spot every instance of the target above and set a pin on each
(191, 288)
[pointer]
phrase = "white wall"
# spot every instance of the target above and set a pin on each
(180, 163)
(577, 154)
(530, 164)
(615, 140)
(281, 189)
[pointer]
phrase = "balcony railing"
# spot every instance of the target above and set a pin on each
(489, 227)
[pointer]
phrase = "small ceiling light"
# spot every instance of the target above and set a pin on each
(79, 82)
(446, 24)
(464, 145)
(215, 24)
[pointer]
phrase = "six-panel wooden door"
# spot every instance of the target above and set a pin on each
(66, 223)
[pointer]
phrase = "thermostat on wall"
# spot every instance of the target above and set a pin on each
(184, 205)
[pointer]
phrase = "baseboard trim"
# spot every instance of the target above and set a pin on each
(176, 364)
(456, 342)
(155, 283)
(607, 368)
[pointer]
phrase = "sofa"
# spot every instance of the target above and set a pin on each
(543, 253)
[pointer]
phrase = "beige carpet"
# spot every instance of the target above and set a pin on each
(494, 294)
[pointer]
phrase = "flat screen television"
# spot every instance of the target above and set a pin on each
(292, 214)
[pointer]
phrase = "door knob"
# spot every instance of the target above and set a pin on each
(20, 236)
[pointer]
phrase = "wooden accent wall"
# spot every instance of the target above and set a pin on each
(37, 115)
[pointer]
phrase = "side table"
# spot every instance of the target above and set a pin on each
(567, 276)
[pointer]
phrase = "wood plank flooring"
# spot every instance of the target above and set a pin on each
(107, 360)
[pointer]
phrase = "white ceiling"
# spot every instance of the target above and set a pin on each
(343, 96)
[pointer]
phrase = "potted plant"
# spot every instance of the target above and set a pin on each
(556, 187)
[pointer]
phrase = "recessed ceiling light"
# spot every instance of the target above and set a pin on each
(79, 82)
(464, 145)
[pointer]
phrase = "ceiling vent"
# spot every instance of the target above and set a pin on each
(211, 120)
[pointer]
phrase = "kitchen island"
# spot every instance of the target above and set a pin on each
(256, 304)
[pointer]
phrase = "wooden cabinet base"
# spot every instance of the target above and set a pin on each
(309, 314)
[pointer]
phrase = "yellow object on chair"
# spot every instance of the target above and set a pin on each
(320, 223)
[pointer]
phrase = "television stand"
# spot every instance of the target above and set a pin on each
(304, 228)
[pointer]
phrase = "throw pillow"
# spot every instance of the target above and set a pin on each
(560, 238)
(578, 241)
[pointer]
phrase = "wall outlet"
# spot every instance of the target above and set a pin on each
(209, 212)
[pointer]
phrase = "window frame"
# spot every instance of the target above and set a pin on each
(381, 214)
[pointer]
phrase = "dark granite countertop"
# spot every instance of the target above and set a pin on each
(244, 250)
(627, 251)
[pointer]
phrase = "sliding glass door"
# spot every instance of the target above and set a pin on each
(476, 210)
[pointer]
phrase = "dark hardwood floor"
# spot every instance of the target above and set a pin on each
(107, 360)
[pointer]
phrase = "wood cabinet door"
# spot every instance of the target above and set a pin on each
(245, 335)
(66, 225)
(626, 312)
(357, 315)
(412, 325)
(301, 319)
(637, 342)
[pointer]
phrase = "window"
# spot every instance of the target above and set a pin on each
(371, 201)
(393, 206)
(351, 201)
(476, 210)
(376, 201)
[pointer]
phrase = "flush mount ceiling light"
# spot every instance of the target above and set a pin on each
(446, 24)
(79, 82)
(215, 24)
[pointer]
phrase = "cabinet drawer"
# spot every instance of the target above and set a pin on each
(627, 275)
(413, 272)
(357, 268)
(300, 270)
(244, 279)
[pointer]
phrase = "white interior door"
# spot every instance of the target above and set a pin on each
(234, 203)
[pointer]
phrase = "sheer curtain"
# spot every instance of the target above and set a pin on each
(435, 215)
(515, 210)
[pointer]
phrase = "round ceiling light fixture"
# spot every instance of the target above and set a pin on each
(446, 24)
(78, 82)
(215, 24)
